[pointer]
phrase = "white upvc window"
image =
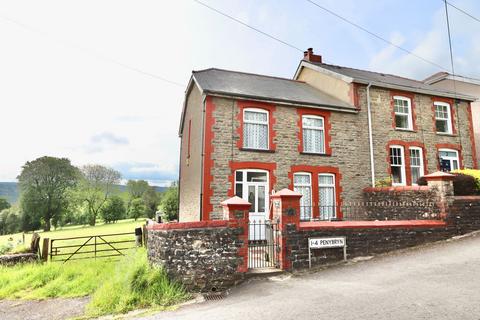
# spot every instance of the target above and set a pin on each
(302, 183)
(403, 113)
(443, 117)
(397, 165)
(327, 196)
(450, 157)
(313, 128)
(255, 129)
(416, 164)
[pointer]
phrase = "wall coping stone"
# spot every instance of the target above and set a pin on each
(371, 224)
(396, 189)
(467, 198)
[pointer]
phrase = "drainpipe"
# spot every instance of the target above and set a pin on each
(370, 138)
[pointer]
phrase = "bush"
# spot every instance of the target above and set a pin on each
(463, 185)
(471, 172)
(380, 183)
(169, 203)
(137, 209)
(113, 210)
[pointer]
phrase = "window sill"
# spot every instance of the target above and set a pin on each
(405, 130)
(316, 154)
(446, 134)
(257, 150)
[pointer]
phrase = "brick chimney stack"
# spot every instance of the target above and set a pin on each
(309, 56)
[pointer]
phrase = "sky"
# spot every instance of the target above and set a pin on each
(84, 79)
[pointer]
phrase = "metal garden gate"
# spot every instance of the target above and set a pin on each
(263, 250)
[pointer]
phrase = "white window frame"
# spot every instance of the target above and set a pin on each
(267, 123)
(422, 167)
(409, 114)
(449, 119)
(451, 159)
(305, 185)
(402, 166)
(246, 184)
(334, 216)
(322, 129)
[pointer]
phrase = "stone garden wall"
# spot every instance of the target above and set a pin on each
(401, 203)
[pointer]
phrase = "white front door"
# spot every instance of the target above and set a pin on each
(252, 185)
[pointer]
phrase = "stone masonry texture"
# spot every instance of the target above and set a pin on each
(202, 259)
(349, 143)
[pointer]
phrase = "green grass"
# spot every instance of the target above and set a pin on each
(121, 226)
(116, 287)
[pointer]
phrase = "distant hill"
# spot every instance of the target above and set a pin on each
(9, 190)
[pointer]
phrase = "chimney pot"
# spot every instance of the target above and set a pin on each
(310, 56)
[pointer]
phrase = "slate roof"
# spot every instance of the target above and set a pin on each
(261, 87)
(388, 80)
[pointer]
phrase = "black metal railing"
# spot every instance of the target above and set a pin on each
(368, 211)
(263, 244)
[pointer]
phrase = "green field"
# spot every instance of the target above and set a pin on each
(121, 226)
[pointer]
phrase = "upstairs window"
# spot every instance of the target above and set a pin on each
(448, 159)
(403, 113)
(443, 118)
(255, 129)
(397, 166)
(313, 134)
(416, 164)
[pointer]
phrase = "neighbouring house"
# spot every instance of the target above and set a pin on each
(327, 133)
(464, 85)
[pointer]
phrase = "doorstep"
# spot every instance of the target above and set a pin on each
(264, 272)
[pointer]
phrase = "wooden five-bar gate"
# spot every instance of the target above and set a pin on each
(92, 247)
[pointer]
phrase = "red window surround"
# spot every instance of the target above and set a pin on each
(208, 162)
(315, 171)
(452, 146)
(451, 102)
(406, 146)
(472, 136)
(242, 104)
(410, 96)
(327, 127)
(268, 166)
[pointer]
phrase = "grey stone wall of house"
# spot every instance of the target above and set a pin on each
(400, 204)
(424, 118)
(349, 143)
(203, 259)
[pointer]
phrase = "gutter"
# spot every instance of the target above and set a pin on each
(204, 98)
(281, 102)
(370, 137)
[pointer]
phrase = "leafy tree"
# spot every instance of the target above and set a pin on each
(151, 199)
(44, 183)
(169, 203)
(137, 209)
(96, 186)
(113, 210)
(4, 204)
(136, 188)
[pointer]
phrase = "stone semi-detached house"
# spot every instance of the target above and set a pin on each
(328, 133)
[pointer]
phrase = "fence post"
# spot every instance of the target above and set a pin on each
(286, 212)
(46, 242)
(145, 235)
(235, 210)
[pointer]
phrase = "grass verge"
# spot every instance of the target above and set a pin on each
(115, 287)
